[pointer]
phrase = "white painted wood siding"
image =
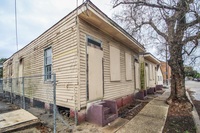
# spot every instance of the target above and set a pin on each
(62, 37)
(114, 89)
(151, 74)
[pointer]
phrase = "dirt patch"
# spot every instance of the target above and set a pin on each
(179, 120)
(132, 110)
(64, 123)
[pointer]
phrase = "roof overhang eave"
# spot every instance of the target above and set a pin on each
(96, 18)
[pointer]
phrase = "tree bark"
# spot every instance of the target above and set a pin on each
(178, 90)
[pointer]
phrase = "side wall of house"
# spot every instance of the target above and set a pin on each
(159, 77)
(151, 74)
(62, 38)
(112, 89)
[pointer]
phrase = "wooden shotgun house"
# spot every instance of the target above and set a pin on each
(96, 63)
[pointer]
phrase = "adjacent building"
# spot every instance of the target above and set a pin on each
(166, 75)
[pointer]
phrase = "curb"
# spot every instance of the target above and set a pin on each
(194, 115)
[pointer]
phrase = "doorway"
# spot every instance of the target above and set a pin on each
(94, 73)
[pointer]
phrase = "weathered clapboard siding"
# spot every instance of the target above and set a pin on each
(62, 37)
(111, 89)
(151, 74)
(159, 77)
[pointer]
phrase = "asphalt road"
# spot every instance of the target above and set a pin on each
(195, 87)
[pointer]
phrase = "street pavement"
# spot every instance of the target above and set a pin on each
(195, 87)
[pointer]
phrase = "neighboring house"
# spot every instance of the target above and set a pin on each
(151, 65)
(93, 58)
(163, 70)
(159, 78)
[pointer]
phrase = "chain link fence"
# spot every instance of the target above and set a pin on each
(36, 95)
(1, 87)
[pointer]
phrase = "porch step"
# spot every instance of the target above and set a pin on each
(102, 113)
(106, 110)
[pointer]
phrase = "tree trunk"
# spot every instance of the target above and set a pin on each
(178, 91)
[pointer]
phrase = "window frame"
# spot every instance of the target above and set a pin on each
(94, 41)
(47, 75)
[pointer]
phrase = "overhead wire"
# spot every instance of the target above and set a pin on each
(16, 28)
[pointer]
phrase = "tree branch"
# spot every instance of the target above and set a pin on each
(191, 38)
(189, 53)
(156, 29)
(193, 59)
(196, 21)
(142, 3)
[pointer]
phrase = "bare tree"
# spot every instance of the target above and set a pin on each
(175, 23)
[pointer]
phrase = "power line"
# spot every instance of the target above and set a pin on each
(16, 33)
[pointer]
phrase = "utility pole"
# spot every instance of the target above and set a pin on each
(166, 67)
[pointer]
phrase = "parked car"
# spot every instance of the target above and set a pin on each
(194, 79)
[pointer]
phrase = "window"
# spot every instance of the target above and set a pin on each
(48, 63)
(128, 67)
(94, 42)
(114, 64)
(21, 67)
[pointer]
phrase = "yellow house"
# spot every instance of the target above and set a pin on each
(93, 58)
(152, 65)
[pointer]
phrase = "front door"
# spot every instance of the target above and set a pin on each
(95, 73)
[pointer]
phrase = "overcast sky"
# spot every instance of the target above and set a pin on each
(34, 17)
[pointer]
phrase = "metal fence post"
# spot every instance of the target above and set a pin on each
(2, 89)
(23, 94)
(54, 102)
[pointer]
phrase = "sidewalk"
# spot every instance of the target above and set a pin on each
(151, 119)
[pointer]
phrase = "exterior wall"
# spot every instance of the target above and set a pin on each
(112, 89)
(152, 74)
(159, 77)
(163, 70)
(62, 38)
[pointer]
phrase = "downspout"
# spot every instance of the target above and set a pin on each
(134, 75)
